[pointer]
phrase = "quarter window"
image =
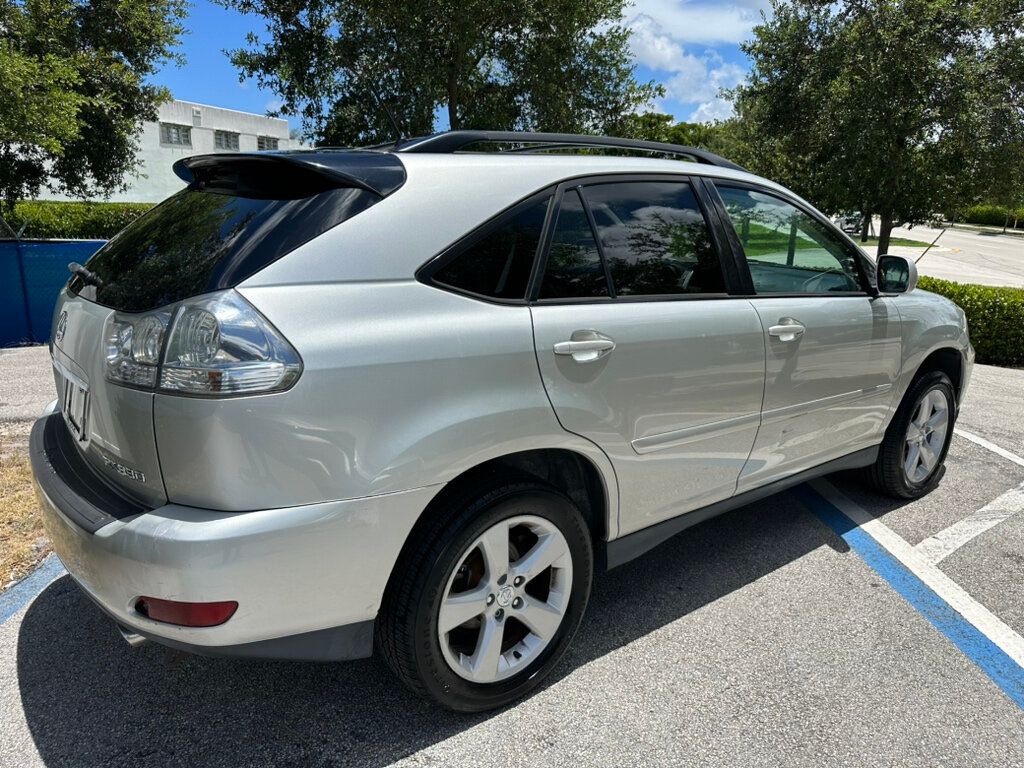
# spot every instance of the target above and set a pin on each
(574, 268)
(180, 135)
(789, 251)
(225, 140)
(498, 264)
(655, 239)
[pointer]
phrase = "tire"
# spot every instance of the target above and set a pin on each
(451, 561)
(890, 474)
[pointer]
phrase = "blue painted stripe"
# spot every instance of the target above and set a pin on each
(22, 593)
(988, 656)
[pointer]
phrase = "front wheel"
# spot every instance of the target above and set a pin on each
(911, 458)
(478, 616)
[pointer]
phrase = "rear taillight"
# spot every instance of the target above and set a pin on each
(214, 345)
(186, 614)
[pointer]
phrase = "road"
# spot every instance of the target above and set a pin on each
(761, 638)
(966, 256)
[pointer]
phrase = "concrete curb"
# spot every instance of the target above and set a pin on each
(26, 590)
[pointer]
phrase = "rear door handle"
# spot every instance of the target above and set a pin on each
(788, 329)
(585, 346)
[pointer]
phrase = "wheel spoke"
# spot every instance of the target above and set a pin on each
(912, 461)
(459, 608)
(927, 456)
(924, 410)
(540, 618)
(548, 550)
(938, 419)
(484, 662)
(494, 546)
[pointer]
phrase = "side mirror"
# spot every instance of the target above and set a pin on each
(896, 274)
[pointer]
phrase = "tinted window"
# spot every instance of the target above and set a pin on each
(499, 263)
(655, 239)
(789, 251)
(202, 240)
(574, 266)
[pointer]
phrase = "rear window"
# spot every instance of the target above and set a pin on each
(214, 235)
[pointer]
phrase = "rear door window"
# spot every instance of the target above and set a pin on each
(574, 267)
(655, 239)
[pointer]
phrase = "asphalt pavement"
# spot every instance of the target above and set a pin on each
(966, 256)
(766, 637)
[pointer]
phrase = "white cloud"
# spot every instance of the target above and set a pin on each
(699, 21)
(710, 111)
(690, 78)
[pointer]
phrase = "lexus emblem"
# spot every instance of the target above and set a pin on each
(62, 326)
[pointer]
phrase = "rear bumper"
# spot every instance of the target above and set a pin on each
(308, 579)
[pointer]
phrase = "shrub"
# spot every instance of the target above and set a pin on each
(49, 219)
(995, 318)
(994, 215)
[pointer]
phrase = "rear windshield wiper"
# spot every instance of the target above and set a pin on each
(89, 278)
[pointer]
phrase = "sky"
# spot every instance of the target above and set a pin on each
(689, 46)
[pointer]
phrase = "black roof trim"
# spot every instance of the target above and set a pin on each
(378, 172)
(455, 141)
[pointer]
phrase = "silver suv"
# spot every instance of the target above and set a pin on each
(412, 398)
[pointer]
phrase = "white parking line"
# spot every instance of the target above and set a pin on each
(944, 543)
(986, 622)
(991, 446)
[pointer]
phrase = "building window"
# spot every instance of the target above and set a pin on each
(181, 135)
(266, 142)
(225, 140)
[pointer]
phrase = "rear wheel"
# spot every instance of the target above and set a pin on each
(479, 615)
(911, 458)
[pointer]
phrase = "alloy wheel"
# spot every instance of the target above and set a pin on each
(505, 600)
(926, 436)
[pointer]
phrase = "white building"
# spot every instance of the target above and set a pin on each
(185, 128)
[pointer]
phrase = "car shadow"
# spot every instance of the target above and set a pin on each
(91, 700)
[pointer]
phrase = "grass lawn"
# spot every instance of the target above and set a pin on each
(22, 538)
(905, 241)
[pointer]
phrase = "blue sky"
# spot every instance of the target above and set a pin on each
(689, 46)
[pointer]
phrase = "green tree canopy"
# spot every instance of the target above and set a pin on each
(74, 92)
(892, 107)
(557, 65)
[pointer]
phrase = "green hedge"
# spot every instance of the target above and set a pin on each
(994, 215)
(995, 318)
(74, 221)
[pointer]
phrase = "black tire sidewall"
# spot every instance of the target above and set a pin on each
(928, 382)
(440, 681)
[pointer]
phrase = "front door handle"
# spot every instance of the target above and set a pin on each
(585, 346)
(788, 329)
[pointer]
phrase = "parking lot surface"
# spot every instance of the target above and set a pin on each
(766, 637)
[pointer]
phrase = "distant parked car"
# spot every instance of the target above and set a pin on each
(850, 222)
(410, 399)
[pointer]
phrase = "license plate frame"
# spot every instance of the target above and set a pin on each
(74, 404)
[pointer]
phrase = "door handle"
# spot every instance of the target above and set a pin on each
(788, 329)
(585, 346)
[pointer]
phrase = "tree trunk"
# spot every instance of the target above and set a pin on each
(865, 225)
(884, 232)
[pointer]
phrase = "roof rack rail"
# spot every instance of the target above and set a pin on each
(455, 141)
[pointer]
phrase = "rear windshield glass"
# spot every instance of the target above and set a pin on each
(204, 240)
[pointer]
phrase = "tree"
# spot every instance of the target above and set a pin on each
(73, 74)
(876, 105)
(558, 65)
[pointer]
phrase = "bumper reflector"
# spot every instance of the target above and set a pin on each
(186, 614)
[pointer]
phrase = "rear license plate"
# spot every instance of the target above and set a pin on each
(74, 404)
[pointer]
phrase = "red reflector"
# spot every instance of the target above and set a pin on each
(186, 614)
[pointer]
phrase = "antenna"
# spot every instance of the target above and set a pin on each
(368, 84)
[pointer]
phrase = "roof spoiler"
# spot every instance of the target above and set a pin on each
(378, 172)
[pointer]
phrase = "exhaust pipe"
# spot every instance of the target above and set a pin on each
(134, 639)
